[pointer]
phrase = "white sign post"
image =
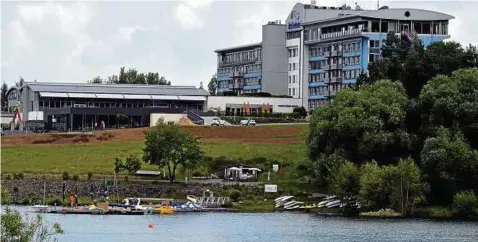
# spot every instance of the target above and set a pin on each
(270, 188)
(275, 167)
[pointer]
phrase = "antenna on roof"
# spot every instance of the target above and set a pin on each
(378, 4)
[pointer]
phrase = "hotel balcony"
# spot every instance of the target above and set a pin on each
(342, 34)
(236, 86)
(335, 66)
(240, 62)
(234, 74)
(333, 80)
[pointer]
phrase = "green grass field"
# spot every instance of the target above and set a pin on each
(99, 158)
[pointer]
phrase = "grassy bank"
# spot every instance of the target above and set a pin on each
(98, 158)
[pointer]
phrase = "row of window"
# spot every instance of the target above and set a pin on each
(78, 104)
(293, 66)
(294, 52)
(245, 81)
(313, 104)
(351, 60)
(249, 55)
(293, 78)
(320, 51)
(293, 35)
(245, 69)
(317, 91)
(288, 106)
(317, 33)
(293, 91)
(346, 74)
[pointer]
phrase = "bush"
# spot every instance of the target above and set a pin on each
(464, 203)
(90, 175)
(65, 176)
(18, 176)
(105, 136)
(132, 164)
(126, 179)
(235, 195)
(75, 177)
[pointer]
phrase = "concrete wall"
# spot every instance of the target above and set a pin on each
(277, 103)
(274, 59)
(173, 117)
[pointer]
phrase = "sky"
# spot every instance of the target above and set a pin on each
(74, 41)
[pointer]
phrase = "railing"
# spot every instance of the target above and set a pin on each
(336, 66)
(195, 118)
(342, 34)
(241, 62)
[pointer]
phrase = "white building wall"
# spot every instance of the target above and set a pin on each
(278, 104)
(305, 78)
(293, 75)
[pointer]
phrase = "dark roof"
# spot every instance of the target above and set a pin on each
(116, 89)
(239, 47)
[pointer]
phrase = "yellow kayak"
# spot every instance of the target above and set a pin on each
(166, 210)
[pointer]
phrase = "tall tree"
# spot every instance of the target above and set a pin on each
(212, 86)
(96, 80)
(167, 146)
(4, 96)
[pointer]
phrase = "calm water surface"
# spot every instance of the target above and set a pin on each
(239, 227)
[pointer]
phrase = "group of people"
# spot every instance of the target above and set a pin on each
(100, 125)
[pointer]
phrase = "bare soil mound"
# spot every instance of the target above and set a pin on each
(277, 134)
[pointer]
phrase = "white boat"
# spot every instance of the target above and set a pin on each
(42, 208)
(333, 204)
(282, 201)
(293, 205)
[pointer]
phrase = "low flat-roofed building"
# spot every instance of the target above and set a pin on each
(74, 106)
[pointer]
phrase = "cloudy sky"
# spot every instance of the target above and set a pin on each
(76, 41)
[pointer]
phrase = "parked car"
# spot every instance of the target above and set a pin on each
(248, 122)
(218, 122)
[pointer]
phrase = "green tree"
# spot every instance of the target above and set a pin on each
(96, 80)
(212, 85)
(449, 165)
(118, 165)
(404, 186)
(363, 125)
(122, 120)
(132, 164)
(15, 228)
(346, 182)
(325, 166)
(4, 96)
(373, 192)
(166, 145)
(5, 196)
(464, 202)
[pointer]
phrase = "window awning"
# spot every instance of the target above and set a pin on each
(81, 95)
(192, 98)
(164, 97)
(109, 96)
(53, 94)
(137, 96)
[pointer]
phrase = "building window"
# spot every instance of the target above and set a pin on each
(289, 79)
(293, 79)
(293, 65)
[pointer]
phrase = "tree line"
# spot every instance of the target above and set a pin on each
(132, 76)
(406, 134)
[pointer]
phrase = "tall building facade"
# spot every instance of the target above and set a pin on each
(327, 48)
(253, 68)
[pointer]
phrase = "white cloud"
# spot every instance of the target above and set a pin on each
(127, 32)
(188, 13)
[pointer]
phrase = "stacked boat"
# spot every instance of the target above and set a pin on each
(288, 203)
(335, 202)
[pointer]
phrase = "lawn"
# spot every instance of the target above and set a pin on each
(98, 158)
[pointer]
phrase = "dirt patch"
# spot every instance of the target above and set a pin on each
(277, 134)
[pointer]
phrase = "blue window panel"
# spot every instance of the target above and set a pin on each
(352, 67)
(349, 81)
(253, 74)
(317, 58)
(223, 78)
(317, 84)
(351, 53)
(318, 96)
(224, 89)
(252, 87)
(315, 71)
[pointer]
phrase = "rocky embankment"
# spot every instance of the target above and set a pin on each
(22, 190)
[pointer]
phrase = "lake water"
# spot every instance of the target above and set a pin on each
(240, 227)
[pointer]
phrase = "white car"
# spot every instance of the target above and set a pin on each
(248, 122)
(218, 122)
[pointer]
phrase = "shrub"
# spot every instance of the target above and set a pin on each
(132, 164)
(75, 177)
(90, 175)
(105, 136)
(65, 176)
(235, 195)
(126, 179)
(464, 203)
(8, 177)
(18, 176)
